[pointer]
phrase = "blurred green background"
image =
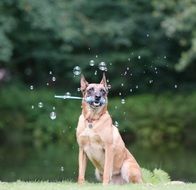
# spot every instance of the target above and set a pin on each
(149, 48)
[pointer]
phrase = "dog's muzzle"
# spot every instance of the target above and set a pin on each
(95, 101)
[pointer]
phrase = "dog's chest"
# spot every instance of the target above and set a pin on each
(93, 146)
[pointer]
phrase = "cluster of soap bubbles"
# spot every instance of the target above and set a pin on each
(102, 66)
(41, 105)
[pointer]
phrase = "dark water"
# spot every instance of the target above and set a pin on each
(59, 162)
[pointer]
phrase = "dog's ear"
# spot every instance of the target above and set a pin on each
(83, 83)
(104, 82)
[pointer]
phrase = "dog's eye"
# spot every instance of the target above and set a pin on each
(90, 90)
(103, 91)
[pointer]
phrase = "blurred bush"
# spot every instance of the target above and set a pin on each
(39, 36)
(150, 120)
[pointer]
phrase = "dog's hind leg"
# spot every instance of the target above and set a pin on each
(131, 172)
(98, 176)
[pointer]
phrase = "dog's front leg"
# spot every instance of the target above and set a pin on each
(82, 166)
(108, 164)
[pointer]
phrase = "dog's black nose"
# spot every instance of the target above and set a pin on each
(97, 97)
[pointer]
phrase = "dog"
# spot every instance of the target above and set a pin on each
(100, 141)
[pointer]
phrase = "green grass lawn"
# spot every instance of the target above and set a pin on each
(19, 185)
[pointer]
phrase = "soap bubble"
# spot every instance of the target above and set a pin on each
(31, 87)
(62, 168)
(102, 66)
(53, 79)
(32, 107)
(40, 105)
(123, 101)
(77, 70)
(139, 57)
(53, 115)
(92, 62)
(175, 86)
(116, 124)
(150, 81)
(68, 94)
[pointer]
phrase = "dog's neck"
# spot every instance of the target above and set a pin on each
(92, 113)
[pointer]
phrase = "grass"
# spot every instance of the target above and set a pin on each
(20, 185)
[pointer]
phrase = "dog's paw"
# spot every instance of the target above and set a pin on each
(81, 181)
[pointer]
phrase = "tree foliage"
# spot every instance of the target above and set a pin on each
(38, 36)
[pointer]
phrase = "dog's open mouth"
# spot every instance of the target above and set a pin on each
(96, 104)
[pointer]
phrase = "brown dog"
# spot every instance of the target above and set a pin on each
(100, 140)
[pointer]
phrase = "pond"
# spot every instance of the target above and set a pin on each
(56, 162)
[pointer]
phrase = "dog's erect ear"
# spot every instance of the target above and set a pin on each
(83, 83)
(104, 82)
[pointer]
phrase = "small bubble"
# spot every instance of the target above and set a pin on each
(175, 86)
(92, 63)
(136, 86)
(131, 90)
(122, 84)
(78, 89)
(110, 64)
(62, 168)
(96, 56)
(122, 101)
(119, 93)
(116, 107)
(139, 57)
(116, 124)
(150, 81)
(31, 87)
(102, 66)
(68, 94)
(53, 79)
(47, 84)
(165, 57)
(95, 72)
(155, 68)
(128, 68)
(40, 105)
(129, 59)
(32, 107)
(109, 86)
(147, 35)
(50, 72)
(77, 70)
(52, 115)
(53, 108)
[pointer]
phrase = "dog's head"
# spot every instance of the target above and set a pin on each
(95, 94)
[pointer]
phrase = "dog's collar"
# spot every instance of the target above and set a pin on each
(90, 121)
